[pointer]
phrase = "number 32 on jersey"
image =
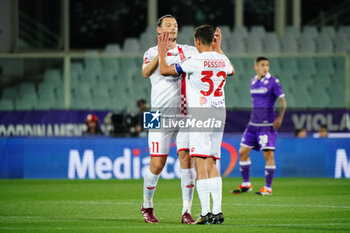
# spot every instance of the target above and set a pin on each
(208, 79)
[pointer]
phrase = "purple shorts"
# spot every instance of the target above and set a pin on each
(259, 138)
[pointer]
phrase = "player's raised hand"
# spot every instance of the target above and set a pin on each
(163, 39)
(217, 40)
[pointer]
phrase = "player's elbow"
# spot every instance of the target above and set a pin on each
(163, 73)
(145, 74)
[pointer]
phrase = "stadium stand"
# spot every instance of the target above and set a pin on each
(271, 43)
(112, 48)
(289, 45)
(241, 31)
(292, 32)
(307, 43)
(237, 45)
(131, 45)
(116, 83)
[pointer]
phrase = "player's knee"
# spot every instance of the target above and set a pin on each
(243, 154)
(156, 170)
(156, 167)
(270, 159)
(268, 154)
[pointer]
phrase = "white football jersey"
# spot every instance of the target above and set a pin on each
(166, 90)
(206, 74)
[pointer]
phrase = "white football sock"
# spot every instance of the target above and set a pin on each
(204, 195)
(149, 186)
(216, 193)
(187, 186)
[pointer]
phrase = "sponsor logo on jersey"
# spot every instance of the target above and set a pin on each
(217, 103)
(260, 90)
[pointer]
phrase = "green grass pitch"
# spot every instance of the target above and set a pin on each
(297, 205)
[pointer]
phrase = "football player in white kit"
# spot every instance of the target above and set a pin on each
(207, 73)
(168, 94)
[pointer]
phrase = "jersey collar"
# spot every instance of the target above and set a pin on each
(268, 75)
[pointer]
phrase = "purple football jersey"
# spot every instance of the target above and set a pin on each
(264, 94)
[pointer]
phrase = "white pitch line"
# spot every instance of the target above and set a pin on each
(63, 218)
(292, 205)
(160, 203)
(143, 226)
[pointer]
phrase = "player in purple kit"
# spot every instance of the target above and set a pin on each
(261, 132)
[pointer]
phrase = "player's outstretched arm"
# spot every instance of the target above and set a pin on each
(282, 109)
(148, 69)
(164, 68)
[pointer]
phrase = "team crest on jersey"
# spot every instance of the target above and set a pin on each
(192, 149)
(266, 82)
(152, 120)
(202, 100)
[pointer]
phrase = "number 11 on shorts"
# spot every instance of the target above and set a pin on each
(155, 147)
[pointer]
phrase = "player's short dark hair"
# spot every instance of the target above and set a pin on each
(323, 126)
(297, 131)
(160, 20)
(261, 58)
(205, 34)
(140, 102)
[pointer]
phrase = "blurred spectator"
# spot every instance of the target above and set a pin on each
(138, 129)
(323, 131)
(93, 128)
(300, 133)
(121, 123)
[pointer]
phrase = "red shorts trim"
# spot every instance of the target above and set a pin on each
(155, 155)
(204, 156)
(182, 149)
(200, 155)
